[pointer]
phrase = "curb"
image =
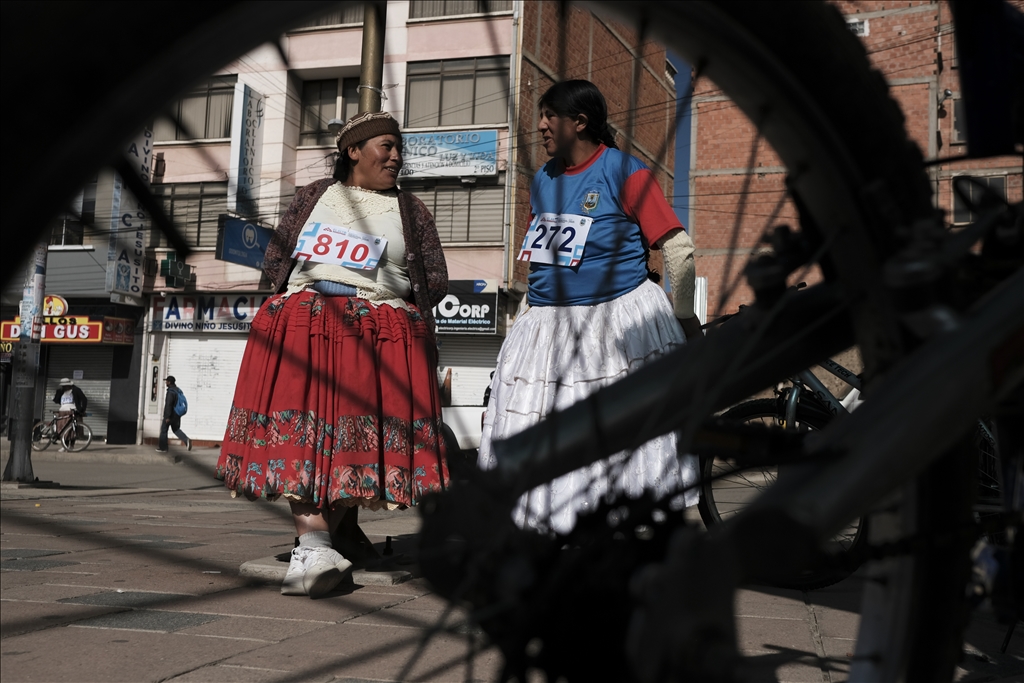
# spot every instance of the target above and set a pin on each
(272, 570)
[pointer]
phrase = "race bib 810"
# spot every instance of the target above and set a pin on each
(339, 246)
(556, 238)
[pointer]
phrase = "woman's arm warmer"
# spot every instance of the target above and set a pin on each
(677, 250)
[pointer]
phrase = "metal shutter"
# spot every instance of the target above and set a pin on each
(206, 369)
(95, 364)
(471, 359)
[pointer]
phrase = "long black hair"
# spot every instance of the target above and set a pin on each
(572, 98)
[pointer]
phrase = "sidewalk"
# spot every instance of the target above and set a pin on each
(130, 572)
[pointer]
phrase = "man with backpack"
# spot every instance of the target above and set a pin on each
(175, 406)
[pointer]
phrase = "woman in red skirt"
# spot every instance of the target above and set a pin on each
(337, 401)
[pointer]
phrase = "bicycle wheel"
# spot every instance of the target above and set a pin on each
(41, 436)
(81, 439)
(726, 490)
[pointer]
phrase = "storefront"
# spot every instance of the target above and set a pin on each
(199, 339)
(84, 349)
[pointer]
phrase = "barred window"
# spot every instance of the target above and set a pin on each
(457, 92)
(465, 214)
(961, 210)
(204, 114)
(321, 103)
(68, 229)
(193, 208)
(423, 9)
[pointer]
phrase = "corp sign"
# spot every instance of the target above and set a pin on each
(471, 307)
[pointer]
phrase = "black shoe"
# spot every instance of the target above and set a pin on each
(188, 444)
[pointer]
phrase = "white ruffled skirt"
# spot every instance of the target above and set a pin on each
(555, 356)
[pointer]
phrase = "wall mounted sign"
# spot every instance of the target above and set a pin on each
(450, 154)
(470, 307)
(205, 313)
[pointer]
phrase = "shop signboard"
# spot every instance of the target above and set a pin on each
(205, 312)
(129, 223)
(118, 330)
(6, 349)
(450, 154)
(470, 307)
(242, 242)
(72, 329)
(246, 151)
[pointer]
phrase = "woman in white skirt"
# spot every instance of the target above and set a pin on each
(594, 313)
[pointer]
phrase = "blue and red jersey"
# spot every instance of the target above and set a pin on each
(620, 193)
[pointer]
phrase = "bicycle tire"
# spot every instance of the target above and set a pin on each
(717, 478)
(41, 436)
(81, 441)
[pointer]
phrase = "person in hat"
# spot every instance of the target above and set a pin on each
(337, 402)
(71, 399)
(171, 418)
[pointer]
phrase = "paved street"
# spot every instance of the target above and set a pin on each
(129, 571)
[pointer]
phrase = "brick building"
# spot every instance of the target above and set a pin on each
(912, 45)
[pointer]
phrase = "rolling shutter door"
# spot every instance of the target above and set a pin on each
(206, 369)
(95, 365)
(471, 359)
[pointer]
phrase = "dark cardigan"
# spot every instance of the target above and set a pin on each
(424, 256)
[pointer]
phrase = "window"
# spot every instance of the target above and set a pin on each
(321, 103)
(457, 92)
(465, 214)
(961, 210)
(69, 228)
(204, 114)
(423, 9)
(349, 13)
(193, 208)
(859, 27)
(959, 136)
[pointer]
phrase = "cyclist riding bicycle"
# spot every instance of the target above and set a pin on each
(71, 399)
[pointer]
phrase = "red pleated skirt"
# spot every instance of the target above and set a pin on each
(337, 402)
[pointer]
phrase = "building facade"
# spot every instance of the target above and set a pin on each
(913, 46)
(232, 153)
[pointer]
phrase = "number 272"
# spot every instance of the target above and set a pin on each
(550, 232)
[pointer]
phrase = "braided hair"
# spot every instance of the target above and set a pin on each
(572, 98)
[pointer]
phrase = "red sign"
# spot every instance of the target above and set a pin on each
(118, 331)
(77, 329)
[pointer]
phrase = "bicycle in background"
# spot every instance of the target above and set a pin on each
(74, 437)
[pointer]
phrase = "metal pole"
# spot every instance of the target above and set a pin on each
(26, 366)
(371, 75)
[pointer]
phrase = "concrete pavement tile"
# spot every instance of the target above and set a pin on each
(770, 602)
(267, 601)
(46, 592)
(148, 620)
(839, 648)
(755, 633)
(400, 617)
(33, 565)
(129, 599)
(836, 623)
(20, 553)
(785, 666)
(90, 655)
(240, 674)
(19, 617)
(430, 602)
(378, 653)
(270, 630)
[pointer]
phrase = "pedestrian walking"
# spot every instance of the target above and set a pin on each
(337, 403)
(71, 400)
(175, 406)
(595, 311)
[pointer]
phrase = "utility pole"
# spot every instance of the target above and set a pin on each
(371, 73)
(26, 367)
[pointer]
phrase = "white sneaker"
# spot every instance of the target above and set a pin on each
(292, 584)
(314, 571)
(323, 571)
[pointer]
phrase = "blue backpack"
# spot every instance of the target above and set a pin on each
(181, 405)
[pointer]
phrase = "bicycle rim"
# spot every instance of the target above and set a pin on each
(81, 440)
(794, 70)
(726, 490)
(40, 436)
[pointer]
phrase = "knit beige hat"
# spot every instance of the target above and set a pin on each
(365, 126)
